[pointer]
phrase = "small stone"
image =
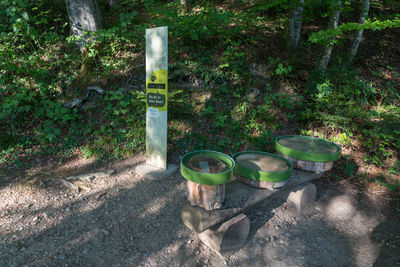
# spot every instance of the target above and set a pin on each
(110, 172)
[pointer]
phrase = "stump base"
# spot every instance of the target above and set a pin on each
(208, 197)
(312, 166)
(262, 184)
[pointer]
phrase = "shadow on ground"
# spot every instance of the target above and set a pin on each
(133, 221)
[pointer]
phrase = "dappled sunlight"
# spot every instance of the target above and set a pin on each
(356, 225)
(156, 205)
(70, 190)
(340, 207)
(121, 209)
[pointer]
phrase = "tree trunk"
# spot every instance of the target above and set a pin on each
(333, 24)
(296, 17)
(208, 197)
(112, 3)
(84, 16)
(184, 4)
(358, 34)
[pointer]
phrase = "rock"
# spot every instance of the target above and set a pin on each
(67, 185)
(253, 94)
(77, 102)
(90, 176)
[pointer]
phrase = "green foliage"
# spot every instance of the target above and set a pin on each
(323, 36)
(124, 135)
(349, 167)
(282, 68)
(211, 48)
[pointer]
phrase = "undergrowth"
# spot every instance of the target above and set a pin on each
(215, 48)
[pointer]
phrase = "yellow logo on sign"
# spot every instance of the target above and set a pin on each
(157, 84)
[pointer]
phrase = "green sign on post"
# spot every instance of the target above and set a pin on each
(156, 96)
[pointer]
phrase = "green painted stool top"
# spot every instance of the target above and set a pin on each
(207, 167)
(262, 166)
(307, 148)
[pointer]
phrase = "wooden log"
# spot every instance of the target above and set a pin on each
(312, 166)
(302, 195)
(262, 184)
(227, 237)
(198, 220)
(208, 197)
(240, 197)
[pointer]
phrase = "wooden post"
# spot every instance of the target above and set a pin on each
(157, 96)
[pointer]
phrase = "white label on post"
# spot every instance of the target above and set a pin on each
(153, 112)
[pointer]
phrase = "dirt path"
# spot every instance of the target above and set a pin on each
(125, 220)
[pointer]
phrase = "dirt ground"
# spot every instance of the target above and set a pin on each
(126, 220)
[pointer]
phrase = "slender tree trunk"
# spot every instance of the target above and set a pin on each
(296, 17)
(84, 15)
(358, 34)
(112, 3)
(333, 24)
(184, 4)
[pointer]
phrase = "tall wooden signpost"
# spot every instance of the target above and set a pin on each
(156, 96)
(156, 105)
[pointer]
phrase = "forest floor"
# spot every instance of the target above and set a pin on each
(123, 219)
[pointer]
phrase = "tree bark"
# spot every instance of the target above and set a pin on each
(358, 34)
(84, 16)
(185, 4)
(228, 237)
(296, 18)
(208, 197)
(333, 24)
(112, 3)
